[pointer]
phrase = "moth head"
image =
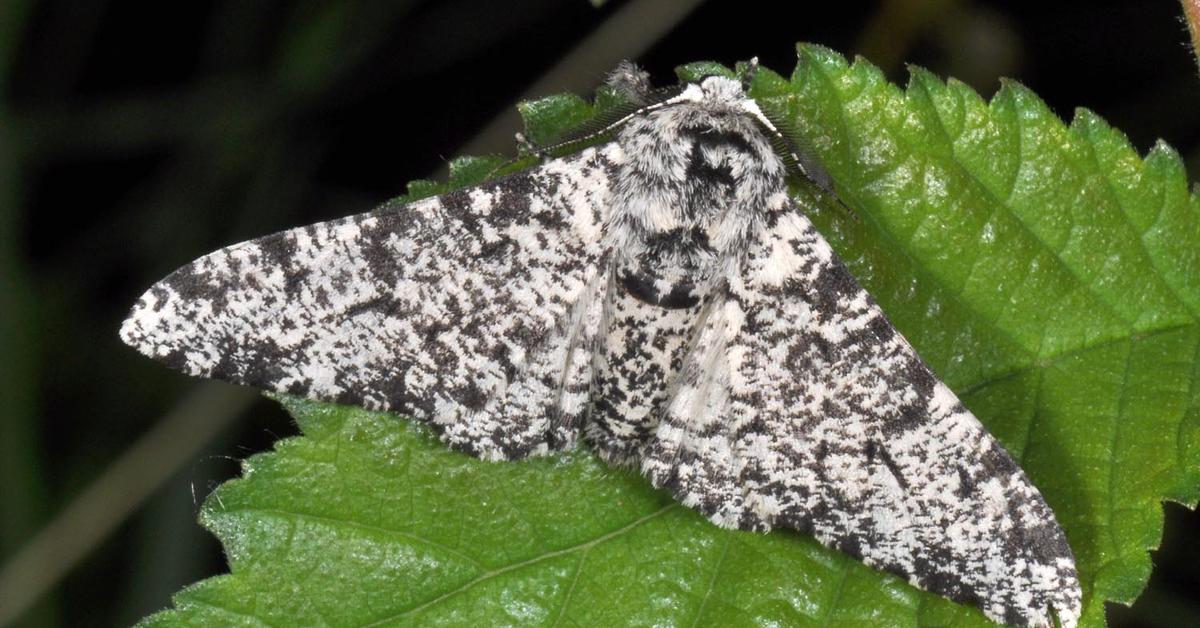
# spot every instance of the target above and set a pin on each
(715, 93)
(721, 93)
(720, 90)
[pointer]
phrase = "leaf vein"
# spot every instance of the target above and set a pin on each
(1055, 358)
(1113, 442)
(525, 563)
(712, 582)
(562, 610)
(1105, 177)
(361, 526)
(837, 596)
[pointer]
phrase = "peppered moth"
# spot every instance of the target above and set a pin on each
(661, 297)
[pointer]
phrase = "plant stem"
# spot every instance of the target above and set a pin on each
(1191, 15)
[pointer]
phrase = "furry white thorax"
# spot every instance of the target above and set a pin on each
(699, 179)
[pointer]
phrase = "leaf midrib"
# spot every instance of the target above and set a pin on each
(336, 522)
(493, 573)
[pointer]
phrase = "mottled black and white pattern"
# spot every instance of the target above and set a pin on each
(663, 298)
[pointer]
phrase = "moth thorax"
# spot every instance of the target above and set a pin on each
(698, 177)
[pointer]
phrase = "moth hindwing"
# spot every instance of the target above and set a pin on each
(660, 297)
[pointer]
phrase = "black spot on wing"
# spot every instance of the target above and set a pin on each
(385, 267)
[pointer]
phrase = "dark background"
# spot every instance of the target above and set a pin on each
(136, 136)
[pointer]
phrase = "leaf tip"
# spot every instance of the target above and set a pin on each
(919, 77)
(1015, 88)
(1093, 128)
(812, 50)
(1163, 150)
(816, 55)
(768, 82)
(920, 72)
(1163, 160)
(1089, 120)
(1025, 100)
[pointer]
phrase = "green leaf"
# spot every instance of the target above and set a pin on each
(1048, 273)
(548, 118)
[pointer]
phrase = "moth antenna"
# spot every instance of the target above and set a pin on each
(632, 84)
(605, 122)
(836, 201)
(798, 159)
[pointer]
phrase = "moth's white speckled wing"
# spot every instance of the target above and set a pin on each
(802, 407)
(474, 310)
